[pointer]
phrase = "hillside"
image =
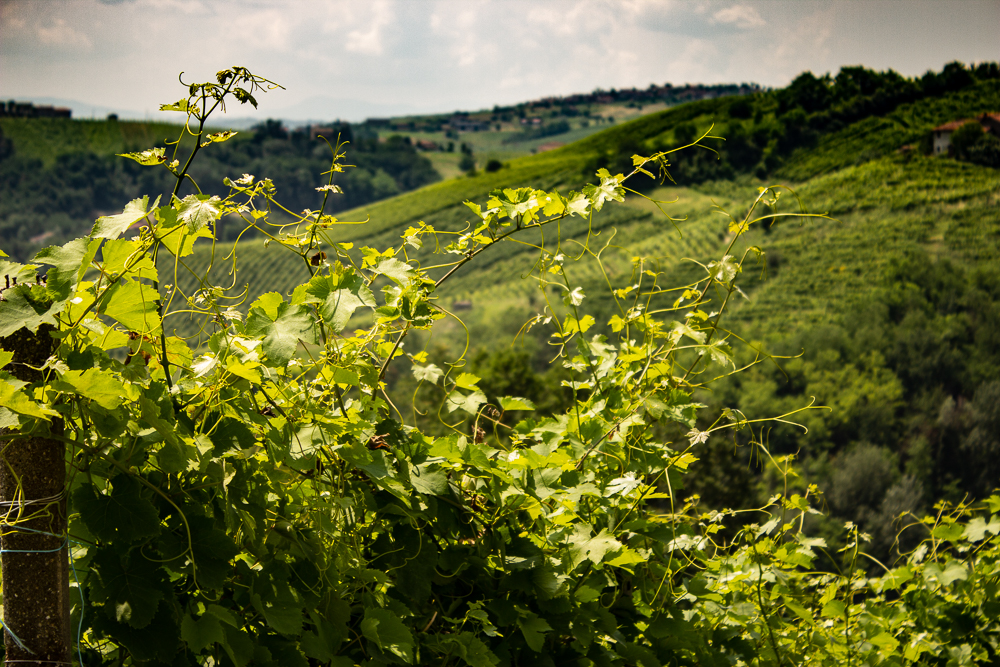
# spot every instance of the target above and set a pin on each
(891, 306)
(888, 310)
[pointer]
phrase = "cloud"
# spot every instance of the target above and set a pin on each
(60, 33)
(739, 16)
(270, 28)
(369, 41)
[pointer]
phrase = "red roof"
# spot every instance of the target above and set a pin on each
(955, 124)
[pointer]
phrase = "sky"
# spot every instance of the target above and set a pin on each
(359, 58)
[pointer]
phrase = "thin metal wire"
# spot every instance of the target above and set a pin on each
(10, 504)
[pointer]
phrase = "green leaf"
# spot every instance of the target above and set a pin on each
(282, 331)
(123, 516)
(219, 137)
(950, 573)
(574, 298)
(398, 271)
(211, 551)
(113, 226)
(280, 606)
(134, 305)
(15, 400)
(467, 381)
(516, 403)
(148, 157)
(200, 633)
(179, 105)
(122, 253)
(97, 385)
(534, 628)
(385, 630)
(68, 262)
(198, 211)
(176, 237)
(583, 546)
(27, 307)
(269, 302)
(626, 559)
(428, 481)
(130, 587)
(338, 297)
(474, 652)
(725, 270)
(978, 527)
(886, 642)
(429, 373)
(238, 645)
(951, 532)
(470, 403)
(833, 609)
(609, 189)
(150, 413)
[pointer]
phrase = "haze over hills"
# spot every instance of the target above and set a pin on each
(326, 108)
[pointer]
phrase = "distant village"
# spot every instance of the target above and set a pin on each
(14, 109)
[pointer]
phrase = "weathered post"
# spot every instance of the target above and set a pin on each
(34, 555)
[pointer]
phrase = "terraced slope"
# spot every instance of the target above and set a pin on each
(883, 202)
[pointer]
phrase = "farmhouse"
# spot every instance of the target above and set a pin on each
(990, 122)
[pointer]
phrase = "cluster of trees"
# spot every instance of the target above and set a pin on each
(763, 129)
(972, 144)
(44, 204)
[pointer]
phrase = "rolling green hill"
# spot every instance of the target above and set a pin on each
(855, 174)
(890, 307)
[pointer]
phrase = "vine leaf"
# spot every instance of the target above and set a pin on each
(584, 547)
(130, 588)
(429, 373)
(385, 630)
(516, 403)
(338, 297)
(211, 551)
(95, 384)
(147, 158)
(112, 226)
(198, 211)
(238, 646)
(282, 330)
(473, 651)
(470, 403)
(122, 516)
(134, 305)
(398, 271)
(156, 641)
(534, 628)
(202, 632)
(15, 400)
(26, 306)
(281, 607)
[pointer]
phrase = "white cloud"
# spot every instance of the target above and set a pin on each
(440, 55)
(268, 28)
(806, 45)
(61, 33)
(739, 16)
(369, 41)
